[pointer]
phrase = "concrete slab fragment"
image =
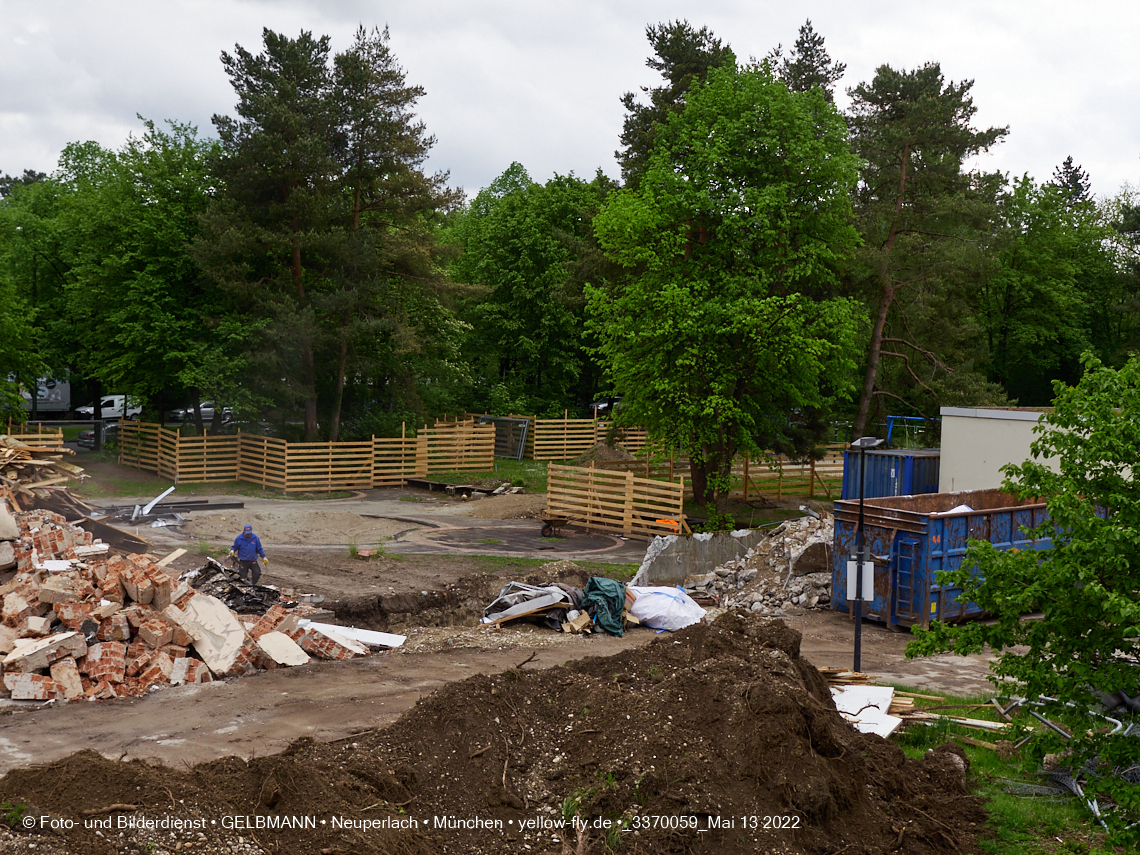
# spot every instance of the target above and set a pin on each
(364, 636)
(42, 652)
(282, 649)
(217, 634)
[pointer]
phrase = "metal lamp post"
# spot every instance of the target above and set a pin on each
(862, 551)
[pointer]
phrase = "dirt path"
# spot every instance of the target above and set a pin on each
(254, 716)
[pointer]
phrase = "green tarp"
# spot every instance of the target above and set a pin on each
(605, 600)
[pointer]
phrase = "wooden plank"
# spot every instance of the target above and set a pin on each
(173, 556)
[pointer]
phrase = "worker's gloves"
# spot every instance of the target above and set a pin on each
(265, 558)
(232, 553)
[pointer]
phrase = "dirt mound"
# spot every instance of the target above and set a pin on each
(716, 724)
(602, 453)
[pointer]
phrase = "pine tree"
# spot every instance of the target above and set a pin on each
(321, 225)
(1073, 180)
(808, 64)
(917, 206)
(683, 55)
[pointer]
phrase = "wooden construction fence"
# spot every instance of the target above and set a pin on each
(40, 438)
(616, 501)
(777, 475)
(306, 466)
(567, 438)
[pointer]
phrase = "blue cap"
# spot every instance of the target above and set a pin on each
(248, 528)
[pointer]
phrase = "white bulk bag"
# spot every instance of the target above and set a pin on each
(665, 608)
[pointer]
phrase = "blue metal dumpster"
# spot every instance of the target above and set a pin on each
(912, 538)
(892, 472)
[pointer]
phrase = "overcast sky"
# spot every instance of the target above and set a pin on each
(539, 82)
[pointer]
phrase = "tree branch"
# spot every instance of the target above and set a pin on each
(910, 371)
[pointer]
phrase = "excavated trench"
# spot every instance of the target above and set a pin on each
(458, 604)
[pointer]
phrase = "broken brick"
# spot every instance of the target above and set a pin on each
(66, 675)
(155, 632)
(105, 661)
(32, 687)
(39, 654)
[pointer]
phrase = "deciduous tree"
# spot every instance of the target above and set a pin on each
(726, 329)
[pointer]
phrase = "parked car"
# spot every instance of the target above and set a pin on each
(208, 408)
(86, 438)
(111, 407)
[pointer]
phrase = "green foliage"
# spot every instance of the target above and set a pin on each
(1053, 266)
(13, 813)
(1085, 641)
(718, 521)
(684, 56)
(323, 228)
(807, 64)
(923, 217)
(520, 241)
(725, 327)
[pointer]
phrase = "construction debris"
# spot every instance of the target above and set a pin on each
(30, 473)
(790, 568)
(79, 621)
(227, 585)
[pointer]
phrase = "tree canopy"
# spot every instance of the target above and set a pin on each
(726, 329)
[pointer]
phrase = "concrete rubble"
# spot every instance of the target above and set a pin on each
(790, 568)
(79, 622)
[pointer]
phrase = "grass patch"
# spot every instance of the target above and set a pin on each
(1017, 825)
(528, 474)
(489, 540)
(410, 499)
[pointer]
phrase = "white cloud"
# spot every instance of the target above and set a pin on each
(539, 82)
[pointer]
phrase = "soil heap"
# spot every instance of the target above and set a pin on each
(717, 723)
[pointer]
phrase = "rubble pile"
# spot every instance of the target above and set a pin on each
(79, 622)
(791, 567)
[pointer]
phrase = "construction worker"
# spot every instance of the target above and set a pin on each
(247, 548)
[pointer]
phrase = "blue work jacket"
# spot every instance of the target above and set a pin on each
(248, 549)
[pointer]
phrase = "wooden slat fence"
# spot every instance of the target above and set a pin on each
(615, 501)
(263, 460)
(778, 476)
(306, 466)
(40, 439)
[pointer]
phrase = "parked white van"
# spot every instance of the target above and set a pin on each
(111, 407)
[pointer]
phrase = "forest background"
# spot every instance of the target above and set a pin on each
(768, 272)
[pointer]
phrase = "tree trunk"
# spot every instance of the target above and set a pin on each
(341, 362)
(309, 384)
(198, 426)
(97, 412)
(698, 474)
(308, 367)
(885, 300)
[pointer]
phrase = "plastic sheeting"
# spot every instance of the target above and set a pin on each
(604, 599)
(665, 608)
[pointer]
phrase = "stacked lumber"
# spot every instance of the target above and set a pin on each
(80, 622)
(30, 473)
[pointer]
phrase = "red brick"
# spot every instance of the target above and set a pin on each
(137, 666)
(66, 675)
(269, 621)
(105, 661)
(32, 687)
(72, 615)
(155, 632)
(115, 628)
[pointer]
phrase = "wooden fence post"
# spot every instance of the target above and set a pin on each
(627, 519)
(811, 481)
(746, 460)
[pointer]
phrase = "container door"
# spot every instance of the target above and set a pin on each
(908, 590)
